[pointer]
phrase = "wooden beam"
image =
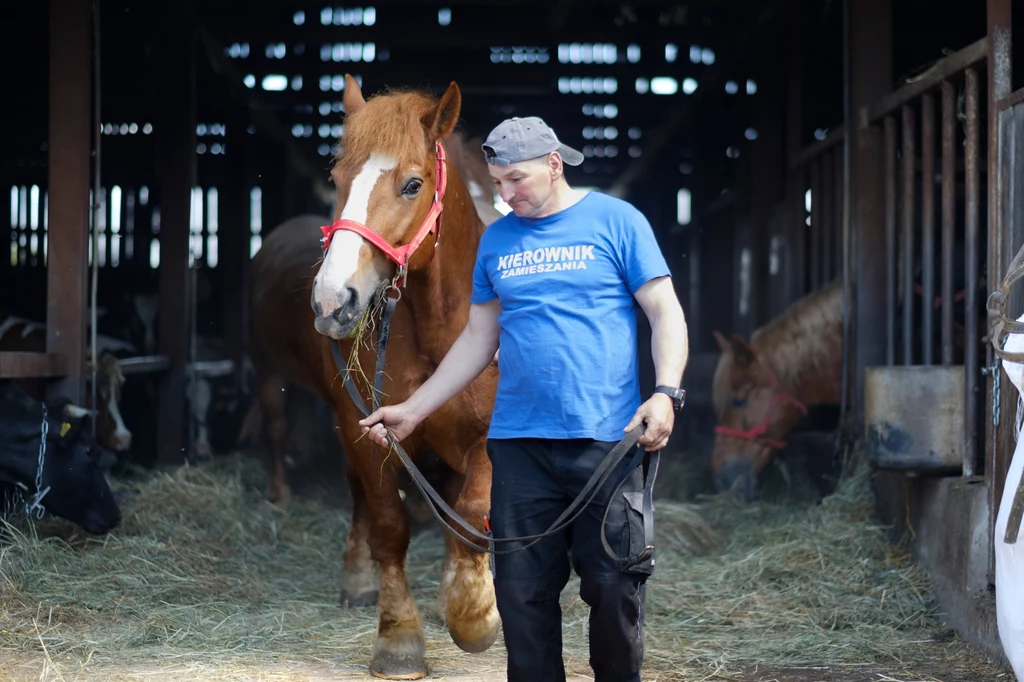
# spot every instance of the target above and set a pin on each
(68, 221)
(175, 128)
(943, 69)
(33, 365)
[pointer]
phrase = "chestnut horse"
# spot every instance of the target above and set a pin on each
(761, 389)
(387, 178)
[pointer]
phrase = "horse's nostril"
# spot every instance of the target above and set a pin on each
(318, 309)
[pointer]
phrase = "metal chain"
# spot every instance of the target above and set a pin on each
(34, 503)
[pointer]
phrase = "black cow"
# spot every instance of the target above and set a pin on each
(73, 485)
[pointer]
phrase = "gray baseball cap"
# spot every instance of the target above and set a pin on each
(520, 139)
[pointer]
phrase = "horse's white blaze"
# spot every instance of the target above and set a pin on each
(342, 258)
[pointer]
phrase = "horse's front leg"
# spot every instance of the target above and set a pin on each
(466, 595)
(398, 652)
(359, 583)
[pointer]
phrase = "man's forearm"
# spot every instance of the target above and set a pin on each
(669, 346)
(465, 360)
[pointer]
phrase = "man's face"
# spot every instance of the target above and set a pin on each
(527, 186)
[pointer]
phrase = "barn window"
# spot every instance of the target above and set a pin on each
(444, 16)
(750, 134)
(707, 56)
(751, 87)
(195, 226)
(255, 220)
(154, 254)
(695, 54)
(775, 255)
(689, 86)
(746, 260)
(683, 207)
(671, 52)
(299, 18)
(731, 88)
(807, 206)
(212, 225)
(274, 82)
(115, 226)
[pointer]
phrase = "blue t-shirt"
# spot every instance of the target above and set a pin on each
(568, 366)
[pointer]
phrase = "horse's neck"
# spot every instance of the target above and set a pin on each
(439, 294)
(810, 368)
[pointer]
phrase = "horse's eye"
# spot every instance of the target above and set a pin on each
(412, 187)
(739, 402)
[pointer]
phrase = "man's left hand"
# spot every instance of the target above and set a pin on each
(660, 416)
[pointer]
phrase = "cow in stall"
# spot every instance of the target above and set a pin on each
(217, 402)
(18, 334)
(48, 459)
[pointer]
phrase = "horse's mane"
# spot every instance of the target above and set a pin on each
(796, 343)
(391, 120)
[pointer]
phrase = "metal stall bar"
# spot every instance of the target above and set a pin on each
(826, 213)
(972, 206)
(816, 226)
(948, 189)
(907, 204)
(890, 240)
(927, 222)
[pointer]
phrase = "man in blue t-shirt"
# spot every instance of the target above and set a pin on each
(557, 282)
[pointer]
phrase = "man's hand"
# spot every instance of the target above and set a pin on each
(398, 419)
(660, 416)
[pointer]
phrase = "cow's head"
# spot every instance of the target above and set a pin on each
(75, 487)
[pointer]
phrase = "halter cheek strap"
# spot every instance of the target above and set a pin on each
(759, 431)
(431, 223)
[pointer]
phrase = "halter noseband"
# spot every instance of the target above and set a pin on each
(759, 431)
(401, 254)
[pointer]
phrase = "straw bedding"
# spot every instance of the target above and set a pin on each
(206, 581)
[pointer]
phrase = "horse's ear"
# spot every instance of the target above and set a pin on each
(741, 350)
(353, 97)
(723, 343)
(442, 120)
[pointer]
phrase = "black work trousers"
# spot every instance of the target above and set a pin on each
(533, 481)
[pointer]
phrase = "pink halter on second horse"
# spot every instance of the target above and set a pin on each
(401, 254)
(758, 431)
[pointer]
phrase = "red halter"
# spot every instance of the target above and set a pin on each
(400, 255)
(758, 431)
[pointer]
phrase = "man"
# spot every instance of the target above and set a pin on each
(557, 281)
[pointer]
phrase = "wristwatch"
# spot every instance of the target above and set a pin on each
(678, 395)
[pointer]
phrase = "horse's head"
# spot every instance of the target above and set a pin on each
(390, 179)
(754, 413)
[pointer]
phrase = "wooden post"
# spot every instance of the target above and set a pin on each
(69, 173)
(175, 129)
(870, 77)
(999, 436)
(768, 163)
(234, 237)
(796, 237)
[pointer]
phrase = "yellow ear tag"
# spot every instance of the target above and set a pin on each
(64, 428)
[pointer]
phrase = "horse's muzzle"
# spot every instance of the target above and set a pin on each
(737, 472)
(339, 319)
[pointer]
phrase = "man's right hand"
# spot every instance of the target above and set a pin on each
(398, 419)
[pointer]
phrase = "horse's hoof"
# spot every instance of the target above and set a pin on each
(359, 600)
(397, 667)
(280, 497)
(478, 646)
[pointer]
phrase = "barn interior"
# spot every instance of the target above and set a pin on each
(151, 147)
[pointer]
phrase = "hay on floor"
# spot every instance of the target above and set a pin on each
(204, 580)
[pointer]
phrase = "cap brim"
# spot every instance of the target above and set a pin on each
(570, 155)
